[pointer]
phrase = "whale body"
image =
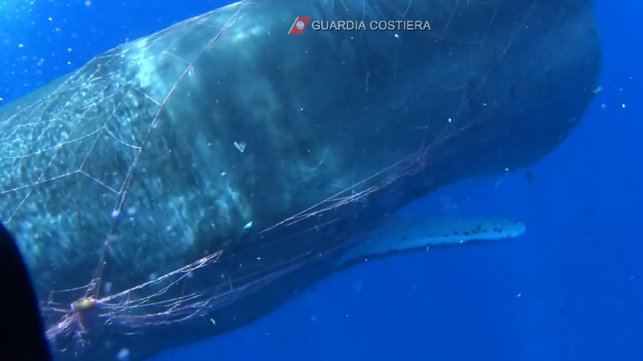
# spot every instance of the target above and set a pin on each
(269, 156)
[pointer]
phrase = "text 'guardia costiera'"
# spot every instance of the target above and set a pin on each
(383, 25)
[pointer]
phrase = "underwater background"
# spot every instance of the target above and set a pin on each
(571, 288)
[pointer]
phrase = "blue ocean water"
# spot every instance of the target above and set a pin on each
(570, 289)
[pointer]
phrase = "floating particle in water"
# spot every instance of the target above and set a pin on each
(597, 90)
(358, 286)
(108, 287)
(603, 106)
(123, 354)
(240, 146)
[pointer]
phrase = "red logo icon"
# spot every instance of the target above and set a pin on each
(299, 25)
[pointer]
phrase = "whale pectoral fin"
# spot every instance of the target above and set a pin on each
(400, 235)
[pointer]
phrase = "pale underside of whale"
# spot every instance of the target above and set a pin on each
(401, 233)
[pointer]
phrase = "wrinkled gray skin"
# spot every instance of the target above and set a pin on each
(493, 86)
